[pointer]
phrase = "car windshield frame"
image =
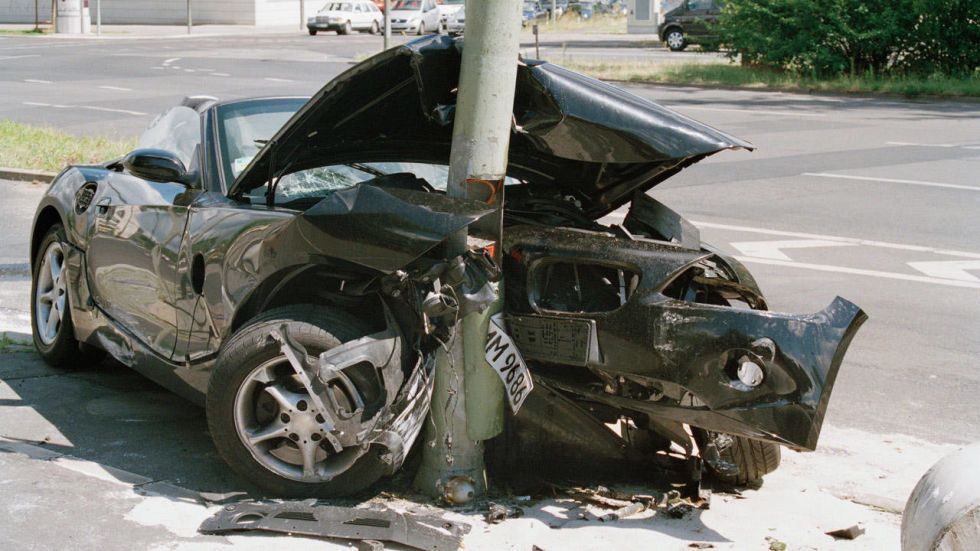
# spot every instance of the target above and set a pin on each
(286, 106)
(338, 6)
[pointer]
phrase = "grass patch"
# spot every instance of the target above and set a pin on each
(38, 148)
(570, 22)
(736, 76)
(13, 32)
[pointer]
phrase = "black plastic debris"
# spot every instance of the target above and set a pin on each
(849, 533)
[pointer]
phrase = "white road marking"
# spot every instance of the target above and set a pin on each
(37, 81)
(854, 240)
(221, 74)
(188, 70)
(169, 61)
(858, 271)
(273, 79)
(891, 180)
(117, 88)
(774, 112)
(949, 269)
(175, 67)
(111, 110)
(9, 57)
(88, 107)
(771, 249)
(966, 145)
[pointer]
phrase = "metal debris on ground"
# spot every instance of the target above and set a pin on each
(701, 545)
(497, 513)
(426, 532)
(625, 505)
(624, 512)
(849, 533)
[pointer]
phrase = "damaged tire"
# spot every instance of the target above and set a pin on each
(737, 460)
(262, 420)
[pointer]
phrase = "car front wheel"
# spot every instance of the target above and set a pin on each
(312, 32)
(375, 28)
(265, 424)
(346, 29)
(421, 28)
(51, 322)
(675, 40)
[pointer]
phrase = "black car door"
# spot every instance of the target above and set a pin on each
(134, 242)
(132, 256)
(695, 17)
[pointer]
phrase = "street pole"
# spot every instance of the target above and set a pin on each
(81, 16)
(467, 402)
(387, 33)
(554, 6)
(190, 20)
(98, 17)
(302, 14)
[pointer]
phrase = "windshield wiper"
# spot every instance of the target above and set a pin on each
(366, 168)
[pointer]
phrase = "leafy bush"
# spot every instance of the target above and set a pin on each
(855, 37)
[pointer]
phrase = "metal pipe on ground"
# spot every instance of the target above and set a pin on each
(461, 403)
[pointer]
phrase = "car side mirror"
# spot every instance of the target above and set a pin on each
(158, 165)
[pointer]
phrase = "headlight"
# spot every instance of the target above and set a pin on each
(311, 19)
(335, 19)
(414, 20)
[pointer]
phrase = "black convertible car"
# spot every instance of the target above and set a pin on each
(282, 261)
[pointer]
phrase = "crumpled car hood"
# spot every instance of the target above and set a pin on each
(584, 137)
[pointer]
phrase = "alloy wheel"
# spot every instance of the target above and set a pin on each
(51, 293)
(280, 426)
(675, 40)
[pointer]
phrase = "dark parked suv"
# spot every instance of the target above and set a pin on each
(689, 23)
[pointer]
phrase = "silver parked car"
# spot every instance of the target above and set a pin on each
(415, 16)
(454, 23)
(346, 17)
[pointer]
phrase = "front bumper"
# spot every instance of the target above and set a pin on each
(325, 26)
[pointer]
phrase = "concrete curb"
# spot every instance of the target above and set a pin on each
(16, 337)
(25, 175)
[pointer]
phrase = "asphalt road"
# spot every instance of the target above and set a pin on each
(116, 87)
(876, 200)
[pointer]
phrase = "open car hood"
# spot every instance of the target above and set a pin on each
(583, 137)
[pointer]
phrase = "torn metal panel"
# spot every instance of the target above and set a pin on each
(381, 228)
(389, 412)
(430, 533)
(673, 347)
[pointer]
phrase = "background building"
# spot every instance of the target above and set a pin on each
(171, 12)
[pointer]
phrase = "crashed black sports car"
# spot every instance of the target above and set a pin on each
(283, 262)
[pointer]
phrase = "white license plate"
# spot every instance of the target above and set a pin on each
(505, 358)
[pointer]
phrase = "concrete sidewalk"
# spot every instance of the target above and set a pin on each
(103, 459)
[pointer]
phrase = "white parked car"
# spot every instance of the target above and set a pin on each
(454, 23)
(447, 10)
(415, 16)
(346, 17)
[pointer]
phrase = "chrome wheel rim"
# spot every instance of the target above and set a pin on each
(675, 39)
(279, 425)
(50, 296)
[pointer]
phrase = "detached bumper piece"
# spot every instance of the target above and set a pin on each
(309, 519)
